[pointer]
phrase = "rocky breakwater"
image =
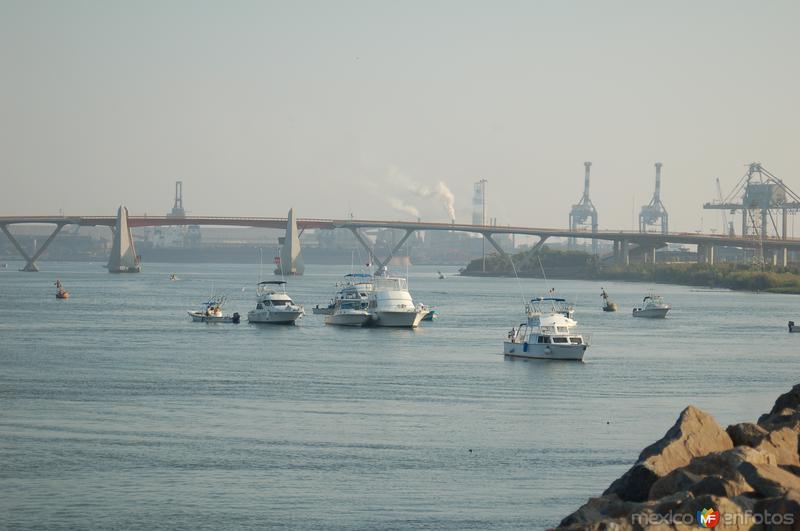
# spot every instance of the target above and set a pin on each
(748, 474)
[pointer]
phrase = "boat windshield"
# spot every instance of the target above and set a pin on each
(542, 305)
(391, 283)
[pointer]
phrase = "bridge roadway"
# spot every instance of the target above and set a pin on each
(646, 242)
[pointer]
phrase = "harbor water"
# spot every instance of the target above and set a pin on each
(117, 411)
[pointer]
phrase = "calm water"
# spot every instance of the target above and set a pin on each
(118, 412)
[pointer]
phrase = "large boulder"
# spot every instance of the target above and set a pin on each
(695, 434)
(780, 443)
(769, 481)
(716, 473)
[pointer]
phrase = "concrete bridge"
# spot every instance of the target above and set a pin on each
(625, 242)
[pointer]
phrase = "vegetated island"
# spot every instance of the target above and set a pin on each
(747, 474)
(584, 266)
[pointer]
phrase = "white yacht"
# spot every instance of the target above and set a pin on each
(211, 312)
(273, 304)
(653, 306)
(390, 303)
(549, 334)
(349, 306)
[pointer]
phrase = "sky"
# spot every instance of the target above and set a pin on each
(344, 107)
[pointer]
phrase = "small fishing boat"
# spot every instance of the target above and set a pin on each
(441, 275)
(273, 304)
(653, 307)
(793, 327)
(173, 277)
(61, 293)
(608, 304)
(211, 312)
(430, 315)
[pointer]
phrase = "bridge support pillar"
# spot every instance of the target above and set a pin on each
(650, 255)
(364, 243)
(30, 261)
(500, 250)
(371, 251)
(624, 253)
(701, 253)
(711, 253)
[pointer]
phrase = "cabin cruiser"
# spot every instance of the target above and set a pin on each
(211, 312)
(549, 334)
(355, 284)
(390, 303)
(350, 305)
(653, 306)
(608, 304)
(273, 304)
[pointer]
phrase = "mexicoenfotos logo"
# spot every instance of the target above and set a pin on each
(708, 518)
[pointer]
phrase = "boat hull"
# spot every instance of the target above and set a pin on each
(348, 319)
(651, 313)
(397, 319)
(611, 307)
(268, 317)
(199, 317)
(542, 351)
(322, 311)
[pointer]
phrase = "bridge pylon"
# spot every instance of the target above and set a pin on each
(123, 258)
(291, 261)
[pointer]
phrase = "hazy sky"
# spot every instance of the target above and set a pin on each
(334, 106)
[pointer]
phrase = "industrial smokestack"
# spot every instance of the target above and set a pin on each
(588, 166)
(658, 182)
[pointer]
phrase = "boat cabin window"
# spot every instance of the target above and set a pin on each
(560, 340)
(266, 302)
(543, 339)
(281, 303)
(576, 340)
(563, 330)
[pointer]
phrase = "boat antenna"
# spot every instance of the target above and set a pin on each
(260, 263)
(519, 284)
(281, 264)
(544, 275)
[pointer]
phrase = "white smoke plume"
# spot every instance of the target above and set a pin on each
(405, 208)
(440, 191)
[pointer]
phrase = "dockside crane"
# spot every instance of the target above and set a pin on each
(584, 214)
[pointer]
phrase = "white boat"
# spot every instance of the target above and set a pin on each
(549, 334)
(211, 312)
(653, 307)
(390, 303)
(350, 305)
(273, 304)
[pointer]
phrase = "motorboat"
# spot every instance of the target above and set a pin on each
(653, 307)
(549, 333)
(173, 277)
(430, 314)
(355, 285)
(441, 275)
(348, 313)
(273, 304)
(350, 305)
(608, 304)
(61, 293)
(211, 312)
(390, 302)
(793, 327)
